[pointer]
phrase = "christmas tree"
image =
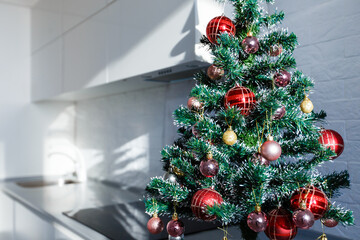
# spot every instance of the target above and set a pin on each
(250, 145)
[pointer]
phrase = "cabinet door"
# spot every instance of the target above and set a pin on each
(6, 217)
(46, 71)
(28, 226)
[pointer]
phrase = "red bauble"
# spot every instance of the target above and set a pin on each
(219, 25)
(281, 226)
(316, 201)
(250, 44)
(271, 150)
(202, 199)
(275, 50)
(175, 228)
(214, 72)
(155, 225)
(194, 104)
(242, 98)
(282, 78)
(333, 140)
(209, 167)
(329, 222)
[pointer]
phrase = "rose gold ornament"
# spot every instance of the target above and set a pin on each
(329, 222)
(275, 50)
(270, 149)
(155, 225)
(194, 104)
(214, 72)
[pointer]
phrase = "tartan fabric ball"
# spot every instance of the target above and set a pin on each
(218, 25)
(281, 226)
(242, 98)
(315, 199)
(333, 140)
(201, 200)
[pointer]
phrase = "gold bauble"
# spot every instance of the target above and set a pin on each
(306, 105)
(177, 171)
(229, 137)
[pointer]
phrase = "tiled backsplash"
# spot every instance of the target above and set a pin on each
(121, 135)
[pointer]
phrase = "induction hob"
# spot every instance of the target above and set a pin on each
(128, 221)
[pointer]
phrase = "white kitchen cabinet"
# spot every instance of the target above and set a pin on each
(132, 42)
(46, 75)
(85, 55)
(7, 218)
(28, 226)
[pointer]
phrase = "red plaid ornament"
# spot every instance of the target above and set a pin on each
(201, 200)
(219, 25)
(333, 140)
(316, 201)
(242, 98)
(281, 226)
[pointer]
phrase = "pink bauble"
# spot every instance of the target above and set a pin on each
(194, 104)
(155, 225)
(279, 113)
(282, 78)
(214, 72)
(209, 167)
(175, 228)
(329, 222)
(250, 44)
(303, 218)
(257, 221)
(259, 159)
(271, 150)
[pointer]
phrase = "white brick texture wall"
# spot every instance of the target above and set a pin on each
(329, 34)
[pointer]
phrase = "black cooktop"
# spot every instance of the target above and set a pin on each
(128, 221)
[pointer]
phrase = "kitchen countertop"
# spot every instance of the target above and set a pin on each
(51, 201)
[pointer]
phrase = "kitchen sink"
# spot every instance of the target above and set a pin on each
(44, 183)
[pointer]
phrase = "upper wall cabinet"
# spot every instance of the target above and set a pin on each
(132, 42)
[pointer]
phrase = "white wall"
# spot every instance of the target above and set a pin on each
(329, 33)
(26, 130)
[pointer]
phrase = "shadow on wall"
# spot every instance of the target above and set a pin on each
(121, 136)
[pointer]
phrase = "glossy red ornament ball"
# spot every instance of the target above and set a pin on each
(209, 167)
(257, 221)
(203, 198)
(250, 44)
(275, 50)
(316, 201)
(282, 78)
(303, 218)
(194, 104)
(281, 226)
(270, 150)
(214, 72)
(329, 222)
(242, 98)
(333, 140)
(218, 25)
(155, 225)
(175, 228)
